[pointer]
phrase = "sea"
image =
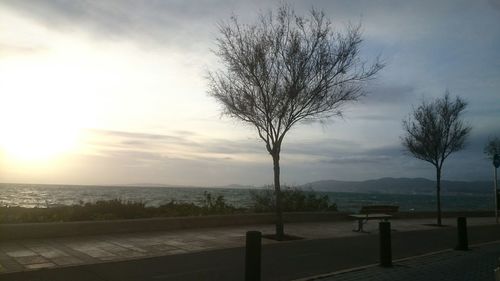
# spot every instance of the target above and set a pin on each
(44, 195)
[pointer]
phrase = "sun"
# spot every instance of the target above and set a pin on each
(40, 116)
(37, 140)
(35, 132)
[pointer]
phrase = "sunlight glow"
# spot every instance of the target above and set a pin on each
(41, 107)
(39, 120)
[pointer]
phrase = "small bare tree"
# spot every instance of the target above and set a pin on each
(285, 69)
(435, 130)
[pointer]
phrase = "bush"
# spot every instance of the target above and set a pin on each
(262, 201)
(293, 200)
(218, 205)
(116, 209)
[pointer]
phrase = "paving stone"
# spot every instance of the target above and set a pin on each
(48, 252)
(159, 248)
(475, 265)
(21, 253)
(10, 264)
(175, 243)
(191, 248)
(110, 258)
(31, 260)
(66, 260)
(95, 252)
(130, 254)
(111, 248)
(40, 265)
(60, 245)
(177, 251)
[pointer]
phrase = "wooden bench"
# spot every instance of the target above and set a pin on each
(373, 212)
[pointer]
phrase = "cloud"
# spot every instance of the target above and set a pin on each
(359, 159)
(133, 135)
(183, 145)
(388, 94)
(12, 49)
(428, 45)
(179, 24)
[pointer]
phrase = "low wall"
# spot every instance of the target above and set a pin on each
(422, 215)
(81, 228)
(64, 229)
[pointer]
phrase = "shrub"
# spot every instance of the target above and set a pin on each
(116, 209)
(262, 201)
(293, 200)
(218, 205)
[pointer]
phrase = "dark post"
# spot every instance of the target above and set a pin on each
(252, 256)
(385, 244)
(463, 243)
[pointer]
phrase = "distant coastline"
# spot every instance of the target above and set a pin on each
(386, 185)
(409, 194)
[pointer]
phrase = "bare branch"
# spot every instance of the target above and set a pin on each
(286, 69)
(434, 130)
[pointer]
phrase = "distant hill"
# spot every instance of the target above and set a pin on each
(232, 186)
(382, 185)
(236, 186)
(402, 186)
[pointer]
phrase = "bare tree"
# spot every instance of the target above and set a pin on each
(435, 130)
(285, 69)
(492, 147)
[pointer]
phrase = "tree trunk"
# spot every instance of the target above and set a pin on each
(438, 195)
(277, 190)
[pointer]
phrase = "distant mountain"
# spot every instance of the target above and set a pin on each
(382, 185)
(148, 184)
(232, 186)
(236, 186)
(402, 186)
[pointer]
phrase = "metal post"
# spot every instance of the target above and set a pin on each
(463, 241)
(496, 193)
(497, 271)
(385, 244)
(496, 164)
(253, 256)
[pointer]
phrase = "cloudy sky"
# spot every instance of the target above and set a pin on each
(113, 92)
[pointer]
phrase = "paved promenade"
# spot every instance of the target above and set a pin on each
(474, 265)
(36, 254)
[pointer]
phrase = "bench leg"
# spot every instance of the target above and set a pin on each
(361, 222)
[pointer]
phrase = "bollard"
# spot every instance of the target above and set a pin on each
(253, 256)
(385, 244)
(497, 271)
(463, 243)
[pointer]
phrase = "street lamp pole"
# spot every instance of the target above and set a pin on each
(495, 180)
(496, 164)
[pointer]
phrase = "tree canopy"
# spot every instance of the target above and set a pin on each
(285, 69)
(435, 130)
(492, 147)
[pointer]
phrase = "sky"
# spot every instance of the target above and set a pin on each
(115, 92)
